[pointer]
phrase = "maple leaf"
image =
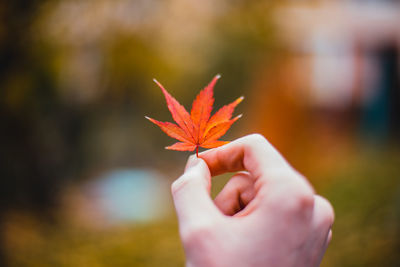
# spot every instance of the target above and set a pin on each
(199, 128)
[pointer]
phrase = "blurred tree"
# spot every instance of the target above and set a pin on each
(37, 132)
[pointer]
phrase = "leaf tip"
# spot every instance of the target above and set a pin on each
(158, 83)
(217, 76)
(150, 119)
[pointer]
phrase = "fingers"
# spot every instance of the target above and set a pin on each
(252, 153)
(323, 218)
(191, 196)
(329, 238)
(277, 185)
(236, 194)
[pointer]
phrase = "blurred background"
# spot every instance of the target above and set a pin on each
(84, 178)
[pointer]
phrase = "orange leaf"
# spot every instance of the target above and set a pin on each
(219, 130)
(171, 129)
(223, 114)
(182, 146)
(215, 143)
(179, 113)
(202, 106)
(197, 129)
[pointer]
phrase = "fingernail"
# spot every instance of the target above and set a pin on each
(192, 161)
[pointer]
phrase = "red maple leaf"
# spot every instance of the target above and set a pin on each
(199, 128)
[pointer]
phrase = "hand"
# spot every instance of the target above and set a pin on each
(266, 215)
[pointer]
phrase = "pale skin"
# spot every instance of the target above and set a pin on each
(267, 214)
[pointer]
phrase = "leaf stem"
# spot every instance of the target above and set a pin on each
(197, 151)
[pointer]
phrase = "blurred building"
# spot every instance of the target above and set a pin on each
(350, 54)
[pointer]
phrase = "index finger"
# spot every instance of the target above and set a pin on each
(252, 153)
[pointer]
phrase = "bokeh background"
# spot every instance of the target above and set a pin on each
(84, 178)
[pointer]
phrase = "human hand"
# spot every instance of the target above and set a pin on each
(266, 215)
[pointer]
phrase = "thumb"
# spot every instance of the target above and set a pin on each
(191, 194)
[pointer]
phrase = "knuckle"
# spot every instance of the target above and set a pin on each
(283, 174)
(291, 178)
(299, 198)
(197, 233)
(305, 200)
(179, 184)
(304, 195)
(326, 211)
(241, 178)
(303, 203)
(256, 139)
(304, 189)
